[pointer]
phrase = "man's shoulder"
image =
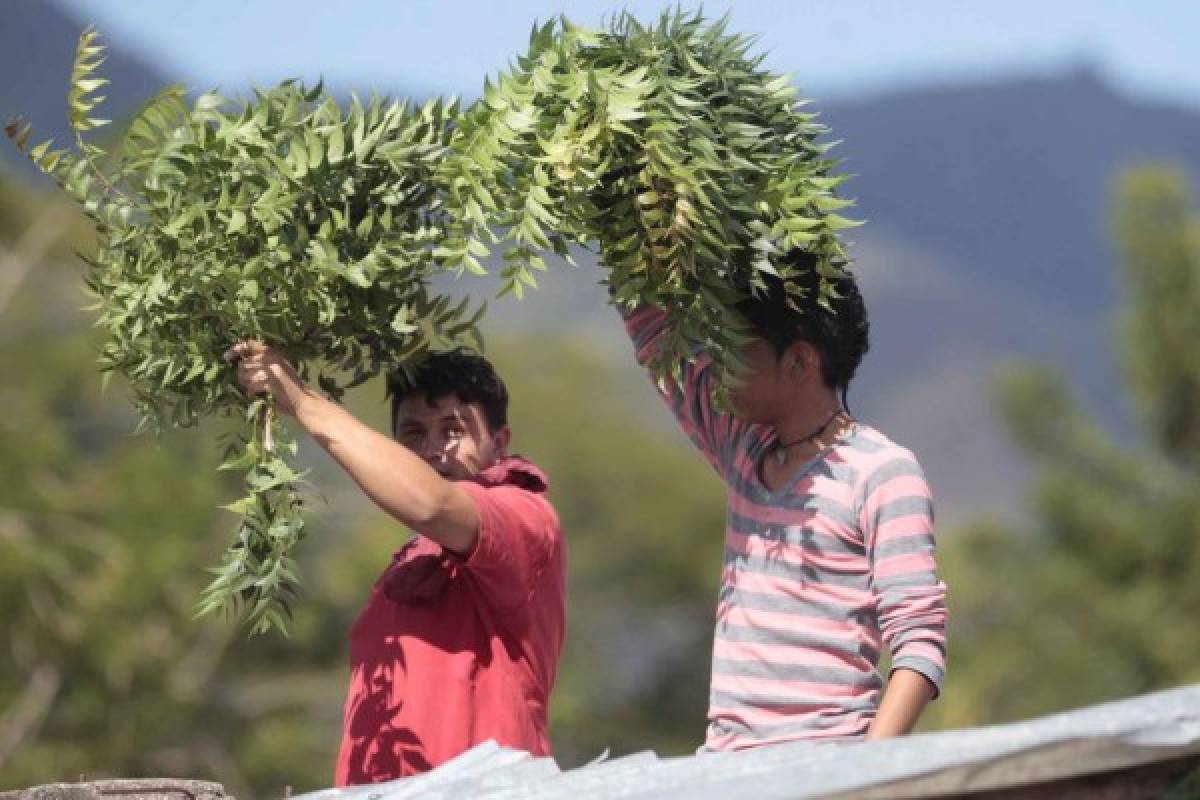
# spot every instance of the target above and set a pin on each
(516, 472)
(516, 486)
(873, 450)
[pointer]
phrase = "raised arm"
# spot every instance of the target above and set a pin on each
(690, 398)
(395, 478)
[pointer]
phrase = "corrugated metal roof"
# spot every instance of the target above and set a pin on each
(1128, 733)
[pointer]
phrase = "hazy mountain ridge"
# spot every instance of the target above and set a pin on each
(37, 46)
(986, 238)
(1009, 177)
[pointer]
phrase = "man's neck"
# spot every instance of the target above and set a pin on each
(806, 416)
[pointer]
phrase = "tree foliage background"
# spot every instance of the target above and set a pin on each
(104, 673)
(1099, 598)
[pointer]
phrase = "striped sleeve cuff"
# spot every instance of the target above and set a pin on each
(935, 673)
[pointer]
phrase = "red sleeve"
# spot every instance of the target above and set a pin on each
(518, 535)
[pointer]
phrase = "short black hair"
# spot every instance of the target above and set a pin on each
(460, 372)
(838, 328)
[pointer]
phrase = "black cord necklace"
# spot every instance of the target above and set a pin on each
(780, 449)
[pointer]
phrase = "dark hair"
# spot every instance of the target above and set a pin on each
(839, 332)
(463, 373)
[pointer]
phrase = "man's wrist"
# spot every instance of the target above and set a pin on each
(304, 402)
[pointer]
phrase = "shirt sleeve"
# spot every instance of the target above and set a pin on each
(897, 519)
(518, 536)
(690, 398)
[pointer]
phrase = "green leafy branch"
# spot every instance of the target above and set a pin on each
(285, 218)
(692, 169)
(317, 229)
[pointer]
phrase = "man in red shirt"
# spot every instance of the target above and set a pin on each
(460, 638)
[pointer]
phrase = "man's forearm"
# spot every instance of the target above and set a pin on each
(907, 694)
(395, 478)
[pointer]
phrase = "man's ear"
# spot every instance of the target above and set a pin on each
(501, 438)
(803, 360)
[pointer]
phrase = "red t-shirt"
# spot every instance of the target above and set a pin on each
(452, 651)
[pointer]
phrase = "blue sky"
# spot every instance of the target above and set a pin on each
(832, 47)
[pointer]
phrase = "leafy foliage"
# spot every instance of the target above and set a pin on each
(1108, 595)
(691, 167)
(103, 671)
(315, 229)
(96, 587)
(283, 218)
(1158, 230)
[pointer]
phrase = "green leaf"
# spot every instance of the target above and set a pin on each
(242, 507)
(237, 221)
(337, 145)
(209, 101)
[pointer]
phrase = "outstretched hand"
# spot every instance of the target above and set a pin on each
(262, 369)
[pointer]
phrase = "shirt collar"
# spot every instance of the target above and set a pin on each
(513, 471)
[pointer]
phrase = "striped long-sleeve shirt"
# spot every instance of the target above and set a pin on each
(819, 574)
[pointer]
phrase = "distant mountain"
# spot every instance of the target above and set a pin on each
(37, 46)
(986, 238)
(1010, 178)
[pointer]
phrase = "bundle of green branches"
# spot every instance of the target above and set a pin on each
(694, 170)
(284, 219)
(314, 229)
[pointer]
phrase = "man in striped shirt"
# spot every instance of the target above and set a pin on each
(829, 548)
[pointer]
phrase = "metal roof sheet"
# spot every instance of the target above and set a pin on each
(1127, 733)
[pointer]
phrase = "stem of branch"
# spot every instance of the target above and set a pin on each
(20, 722)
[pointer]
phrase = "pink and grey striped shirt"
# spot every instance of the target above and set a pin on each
(818, 574)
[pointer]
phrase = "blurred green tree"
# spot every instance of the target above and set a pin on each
(103, 670)
(1102, 599)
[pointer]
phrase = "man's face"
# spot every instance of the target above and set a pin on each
(754, 400)
(452, 436)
